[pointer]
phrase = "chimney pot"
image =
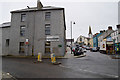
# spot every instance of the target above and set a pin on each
(39, 4)
(118, 26)
(110, 28)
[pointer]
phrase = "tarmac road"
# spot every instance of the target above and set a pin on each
(94, 65)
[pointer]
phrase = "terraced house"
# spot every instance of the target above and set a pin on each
(37, 29)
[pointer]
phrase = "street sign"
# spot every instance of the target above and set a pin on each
(52, 38)
(26, 42)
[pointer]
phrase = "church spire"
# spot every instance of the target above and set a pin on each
(39, 4)
(90, 32)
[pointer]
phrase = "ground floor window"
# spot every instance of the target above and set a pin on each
(47, 47)
(21, 47)
(7, 42)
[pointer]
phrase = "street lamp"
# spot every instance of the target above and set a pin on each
(71, 34)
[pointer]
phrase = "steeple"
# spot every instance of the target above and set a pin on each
(90, 32)
(39, 4)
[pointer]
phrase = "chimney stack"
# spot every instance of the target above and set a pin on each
(39, 4)
(118, 26)
(110, 28)
(101, 31)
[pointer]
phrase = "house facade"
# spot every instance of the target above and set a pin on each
(104, 45)
(91, 42)
(82, 40)
(38, 29)
(116, 38)
(95, 39)
(4, 38)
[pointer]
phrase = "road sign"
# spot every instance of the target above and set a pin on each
(52, 38)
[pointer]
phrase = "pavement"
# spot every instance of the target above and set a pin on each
(69, 55)
(115, 56)
(7, 76)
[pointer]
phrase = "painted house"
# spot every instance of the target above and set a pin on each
(95, 39)
(102, 39)
(38, 29)
(82, 40)
(116, 38)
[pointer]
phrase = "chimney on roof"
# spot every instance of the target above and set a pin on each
(110, 28)
(101, 31)
(118, 26)
(39, 4)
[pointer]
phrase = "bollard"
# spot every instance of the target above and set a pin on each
(53, 60)
(40, 57)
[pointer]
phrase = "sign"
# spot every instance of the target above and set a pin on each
(26, 42)
(59, 45)
(109, 42)
(52, 38)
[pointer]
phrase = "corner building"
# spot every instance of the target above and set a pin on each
(38, 29)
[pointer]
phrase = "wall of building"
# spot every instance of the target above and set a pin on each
(91, 42)
(15, 32)
(57, 29)
(82, 40)
(35, 32)
(5, 36)
(0, 41)
(95, 40)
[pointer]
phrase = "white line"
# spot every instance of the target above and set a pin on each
(11, 76)
(92, 72)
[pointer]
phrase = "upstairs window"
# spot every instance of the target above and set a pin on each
(22, 30)
(47, 29)
(23, 17)
(47, 15)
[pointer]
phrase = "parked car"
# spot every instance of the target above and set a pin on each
(78, 51)
(73, 49)
(94, 49)
(84, 46)
(87, 48)
(84, 50)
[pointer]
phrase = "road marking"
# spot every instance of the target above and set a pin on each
(11, 76)
(103, 74)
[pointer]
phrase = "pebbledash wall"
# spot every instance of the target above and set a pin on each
(0, 53)
(4, 35)
(35, 31)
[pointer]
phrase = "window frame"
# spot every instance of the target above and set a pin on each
(7, 42)
(23, 17)
(47, 15)
(22, 47)
(47, 29)
(22, 30)
(47, 47)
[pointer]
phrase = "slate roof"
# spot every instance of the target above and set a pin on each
(4, 25)
(31, 9)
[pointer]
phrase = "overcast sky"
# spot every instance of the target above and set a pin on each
(99, 14)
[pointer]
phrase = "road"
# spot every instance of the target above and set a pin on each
(94, 65)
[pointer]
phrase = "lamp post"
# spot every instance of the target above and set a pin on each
(71, 34)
